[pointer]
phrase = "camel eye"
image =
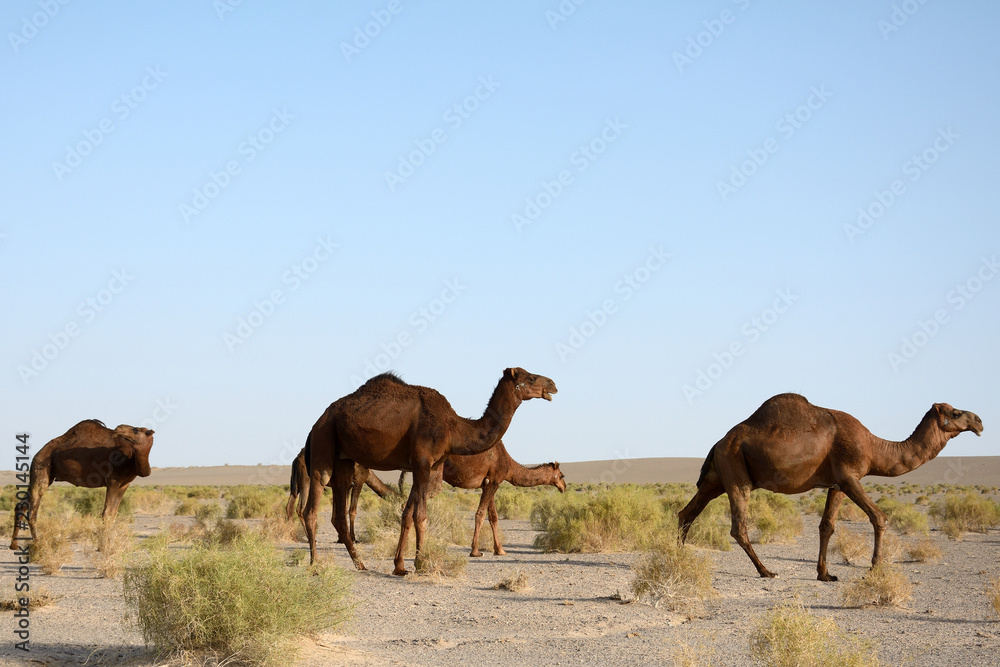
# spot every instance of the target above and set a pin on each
(956, 414)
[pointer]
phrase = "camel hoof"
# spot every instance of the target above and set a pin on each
(400, 571)
(501, 552)
(359, 565)
(767, 574)
(476, 554)
(827, 577)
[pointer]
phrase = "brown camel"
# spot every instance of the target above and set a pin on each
(299, 485)
(89, 455)
(387, 424)
(486, 471)
(791, 446)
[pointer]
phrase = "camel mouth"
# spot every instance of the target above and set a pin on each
(978, 431)
(547, 395)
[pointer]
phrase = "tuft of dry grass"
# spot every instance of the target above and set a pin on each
(993, 595)
(673, 576)
(923, 551)
(882, 586)
(852, 546)
(151, 501)
(515, 582)
(51, 549)
(775, 516)
(620, 518)
(788, 635)
(905, 519)
(37, 597)
(280, 529)
(113, 542)
(436, 560)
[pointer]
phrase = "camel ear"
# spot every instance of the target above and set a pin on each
(555, 465)
(509, 373)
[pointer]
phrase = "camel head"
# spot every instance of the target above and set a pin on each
(560, 481)
(135, 444)
(954, 421)
(528, 386)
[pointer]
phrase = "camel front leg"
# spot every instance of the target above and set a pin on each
(739, 497)
(707, 492)
(478, 523)
(112, 499)
(826, 527)
(491, 508)
(356, 488)
(856, 492)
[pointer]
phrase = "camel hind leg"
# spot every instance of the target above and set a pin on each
(38, 485)
(826, 527)
(112, 499)
(856, 492)
(356, 487)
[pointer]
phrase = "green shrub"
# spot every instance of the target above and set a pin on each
(254, 502)
(775, 516)
(240, 600)
(207, 514)
(966, 513)
(616, 519)
(906, 519)
(150, 501)
(187, 507)
(514, 503)
(790, 636)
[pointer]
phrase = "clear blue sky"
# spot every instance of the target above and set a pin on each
(216, 218)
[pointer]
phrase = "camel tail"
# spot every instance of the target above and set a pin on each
(293, 483)
(706, 467)
(308, 459)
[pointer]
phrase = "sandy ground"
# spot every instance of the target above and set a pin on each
(569, 616)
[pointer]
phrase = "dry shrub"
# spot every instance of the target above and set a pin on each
(436, 560)
(711, 528)
(904, 518)
(280, 529)
(673, 576)
(790, 636)
(113, 541)
(882, 586)
(237, 601)
(225, 532)
(852, 546)
(892, 547)
(614, 519)
(697, 655)
(515, 503)
(255, 502)
(187, 507)
(515, 582)
(993, 595)
(51, 549)
(447, 518)
(207, 514)
(849, 511)
(966, 513)
(923, 551)
(151, 501)
(37, 596)
(775, 516)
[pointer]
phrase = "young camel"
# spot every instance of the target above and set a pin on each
(298, 488)
(486, 471)
(791, 446)
(89, 455)
(387, 424)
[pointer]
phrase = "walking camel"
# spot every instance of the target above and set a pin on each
(89, 455)
(298, 488)
(486, 471)
(387, 424)
(791, 446)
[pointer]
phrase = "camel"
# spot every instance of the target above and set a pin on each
(89, 455)
(300, 482)
(387, 424)
(486, 471)
(791, 446)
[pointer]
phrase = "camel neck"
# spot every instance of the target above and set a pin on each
(477, 435)
(891, 458)
(518, 475)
